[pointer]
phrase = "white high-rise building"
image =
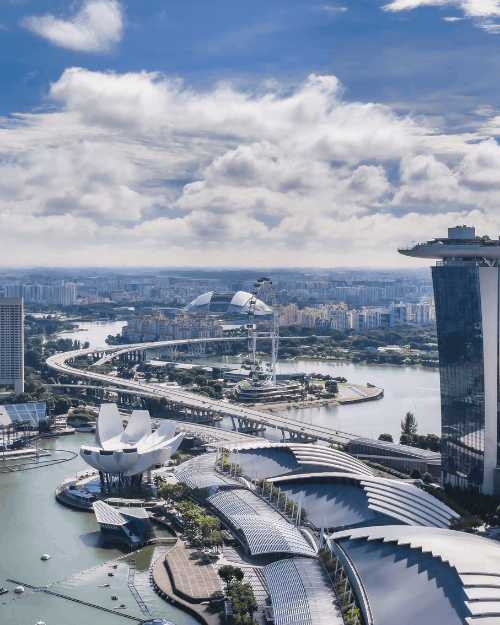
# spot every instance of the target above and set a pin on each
(12, 343)
(65, 294)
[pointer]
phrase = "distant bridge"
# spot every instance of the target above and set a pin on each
(196, 408)
(168, 349)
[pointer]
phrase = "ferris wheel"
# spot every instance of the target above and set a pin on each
(273, 332)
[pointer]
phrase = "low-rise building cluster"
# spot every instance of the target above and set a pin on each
(158, 327)
(337, 316)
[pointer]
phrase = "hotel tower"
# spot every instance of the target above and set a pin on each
(466, 282)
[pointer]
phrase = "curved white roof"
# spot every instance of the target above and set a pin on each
(303, 457)
(235, 303)
(399, 500)
(301, 593)
(452, 577)
(265, 535)
(133, 450)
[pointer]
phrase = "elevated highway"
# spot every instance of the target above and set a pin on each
(196, 407)
(138, 351)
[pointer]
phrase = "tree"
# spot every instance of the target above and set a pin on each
(427, 478)
(243, 599)
(415, 474)
(433, 442)
(62, 405)
(207, 525)
(386, 437)
(331, 387)
(214, 540)
(229, 573)
(409, 425)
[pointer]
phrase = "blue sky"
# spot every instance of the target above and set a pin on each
(243, 133)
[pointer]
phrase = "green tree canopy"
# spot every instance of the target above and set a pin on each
(229, 573)
(386, 437)
(409, 425)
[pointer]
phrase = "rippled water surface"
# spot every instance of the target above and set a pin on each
(32, 522)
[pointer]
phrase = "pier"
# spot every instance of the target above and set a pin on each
(90, 605)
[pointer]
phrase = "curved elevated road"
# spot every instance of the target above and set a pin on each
(191, 400)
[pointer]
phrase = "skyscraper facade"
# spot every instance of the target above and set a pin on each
(466, 283)
(12, 343)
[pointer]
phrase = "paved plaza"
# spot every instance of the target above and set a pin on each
(194, 575)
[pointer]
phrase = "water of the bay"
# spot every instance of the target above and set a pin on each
(414, 389)
(95, 332)
(33, 523)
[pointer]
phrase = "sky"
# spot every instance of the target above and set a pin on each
(236, 133)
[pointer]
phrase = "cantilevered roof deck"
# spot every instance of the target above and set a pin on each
(345, 499)
(452, 578)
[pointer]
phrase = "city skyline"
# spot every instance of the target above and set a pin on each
(275, 134)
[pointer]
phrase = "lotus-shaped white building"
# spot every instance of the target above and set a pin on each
(122, 455)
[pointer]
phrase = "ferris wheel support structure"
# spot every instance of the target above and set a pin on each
(273, 333)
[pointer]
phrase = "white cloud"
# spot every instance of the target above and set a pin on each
(96, 27)
(482, 12)
(453, 19)
(139, 169)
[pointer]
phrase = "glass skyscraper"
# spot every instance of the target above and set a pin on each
(466, 289)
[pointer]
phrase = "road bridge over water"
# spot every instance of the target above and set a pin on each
(193, 405)
(165, 349)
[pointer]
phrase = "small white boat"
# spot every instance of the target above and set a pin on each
(19, 589)
(40, 623)
(45, 557)
(122, 606)
(103, 585)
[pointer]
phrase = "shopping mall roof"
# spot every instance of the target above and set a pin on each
(301, 593)
(264, 529)
(266, 460)
(429, 575)
(350, 500)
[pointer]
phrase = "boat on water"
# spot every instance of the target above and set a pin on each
(19, 589)
(3, 591)
(110, 574)
(114, 598)
(122, 606)
(45, 557)
(103, 585)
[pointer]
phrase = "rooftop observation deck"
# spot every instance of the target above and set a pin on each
(461, 243)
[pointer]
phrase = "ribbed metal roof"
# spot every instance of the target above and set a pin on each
(452, 577)
(107, 514)
(265, 535)
(400, 500)
(305, 456)
(301, 593)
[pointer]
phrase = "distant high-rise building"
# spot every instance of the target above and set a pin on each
(12, 343)
(466, 290)
(65, 294)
